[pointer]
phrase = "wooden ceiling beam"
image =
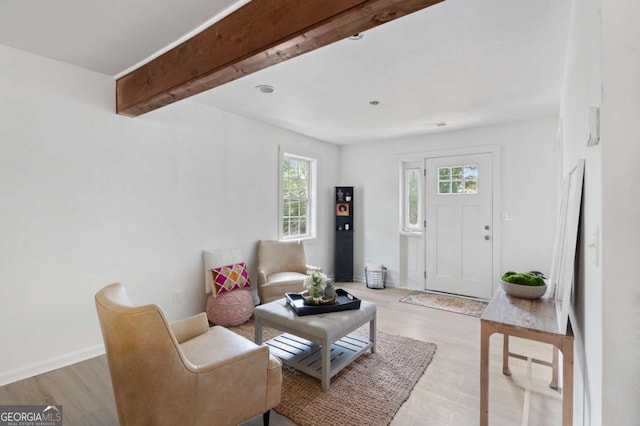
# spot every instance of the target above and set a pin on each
(258, 35)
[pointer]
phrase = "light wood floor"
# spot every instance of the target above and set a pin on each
(447, 394)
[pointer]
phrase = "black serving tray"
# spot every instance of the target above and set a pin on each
(345, 302)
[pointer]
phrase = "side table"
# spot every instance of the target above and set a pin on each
(529, 319)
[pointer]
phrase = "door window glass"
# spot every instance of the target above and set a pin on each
(455, 180)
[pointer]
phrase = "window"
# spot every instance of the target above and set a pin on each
(412, 200)
(297, 207)
(458, 180)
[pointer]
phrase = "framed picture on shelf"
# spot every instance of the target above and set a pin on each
(342, 209)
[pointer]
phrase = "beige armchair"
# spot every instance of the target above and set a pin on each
(282, 268)
(183, 373)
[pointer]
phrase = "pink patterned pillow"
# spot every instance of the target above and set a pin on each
(229, 278)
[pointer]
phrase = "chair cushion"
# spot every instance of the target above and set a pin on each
(218, 257)
(285, 283)
(230, 277)
(218, 345)
(286, 278)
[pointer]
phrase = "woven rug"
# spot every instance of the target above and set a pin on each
(369, 391)
(444, 302)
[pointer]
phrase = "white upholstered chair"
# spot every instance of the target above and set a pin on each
(282, 268)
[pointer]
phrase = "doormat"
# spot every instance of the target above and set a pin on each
(446, 302)
(368, 391)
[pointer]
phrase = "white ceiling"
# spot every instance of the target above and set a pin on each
(466, 62)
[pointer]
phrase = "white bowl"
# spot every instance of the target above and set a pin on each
(524, 291)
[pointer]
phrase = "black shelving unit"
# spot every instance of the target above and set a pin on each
(343, 211)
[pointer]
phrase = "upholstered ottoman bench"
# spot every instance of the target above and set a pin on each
(317, 339)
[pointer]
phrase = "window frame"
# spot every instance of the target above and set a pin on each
(311, 197)
(407, 169)
(451, 180)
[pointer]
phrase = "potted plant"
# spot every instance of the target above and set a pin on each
(526, 285)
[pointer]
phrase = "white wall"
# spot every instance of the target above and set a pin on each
(621, 212)
(529, 186)
(603, 65)
(581, 90)
(88, 198)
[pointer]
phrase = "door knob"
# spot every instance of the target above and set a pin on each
(486, 237)
(487, 227)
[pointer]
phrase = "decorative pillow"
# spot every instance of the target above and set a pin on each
(229, 278)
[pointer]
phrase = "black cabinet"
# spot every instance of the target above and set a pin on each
(344, 233)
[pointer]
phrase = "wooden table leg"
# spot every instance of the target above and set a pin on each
(553, 384)
(505, 355)
(485, 334)
(567, 381)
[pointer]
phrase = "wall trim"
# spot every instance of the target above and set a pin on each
(54, 363)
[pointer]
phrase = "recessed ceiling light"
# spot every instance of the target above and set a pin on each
(358, 36)
(263, 88)
(374, 103)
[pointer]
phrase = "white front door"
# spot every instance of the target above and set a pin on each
(459, 224)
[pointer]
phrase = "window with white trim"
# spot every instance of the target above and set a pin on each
(412, 197)
(297, 199)
(458, 180)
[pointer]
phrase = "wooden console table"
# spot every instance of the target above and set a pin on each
(528, 319)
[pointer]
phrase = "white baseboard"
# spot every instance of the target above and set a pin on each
(43, 366)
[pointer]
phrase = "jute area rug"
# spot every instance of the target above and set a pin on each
(369, 391)
(459, 305)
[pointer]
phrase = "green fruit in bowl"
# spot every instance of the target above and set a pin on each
(523, 278)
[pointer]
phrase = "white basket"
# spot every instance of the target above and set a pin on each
(375, 279)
